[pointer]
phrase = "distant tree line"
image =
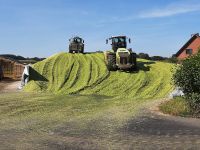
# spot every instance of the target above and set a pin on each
(21, 58)
(11, 56)
(171, 59)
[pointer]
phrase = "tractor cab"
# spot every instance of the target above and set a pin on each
(76, 40)
(76, 45)
(118, 42)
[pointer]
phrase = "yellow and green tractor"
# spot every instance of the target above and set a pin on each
(120, 57)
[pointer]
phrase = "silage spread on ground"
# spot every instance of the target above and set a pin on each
(86, 74)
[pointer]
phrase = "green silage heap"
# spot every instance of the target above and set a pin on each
(87, 74)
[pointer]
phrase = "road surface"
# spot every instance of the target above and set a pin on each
(9, 86)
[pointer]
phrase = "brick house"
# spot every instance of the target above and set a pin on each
(190, 48)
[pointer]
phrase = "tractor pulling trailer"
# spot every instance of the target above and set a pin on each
(120, 57)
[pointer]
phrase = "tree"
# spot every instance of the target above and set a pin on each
(172, 59)
(187, 76)
(144, 56)
(158, 58)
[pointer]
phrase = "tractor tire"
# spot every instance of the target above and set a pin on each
(133, 62)
(133, 68)
(111, 64)
(71, 51)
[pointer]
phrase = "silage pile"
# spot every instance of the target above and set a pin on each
(66, 73)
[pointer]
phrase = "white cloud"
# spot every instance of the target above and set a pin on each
(166, 11)
(170, 10)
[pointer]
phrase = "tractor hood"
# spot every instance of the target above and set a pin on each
(123, 52)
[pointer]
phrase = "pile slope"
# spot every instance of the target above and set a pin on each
(87, 74)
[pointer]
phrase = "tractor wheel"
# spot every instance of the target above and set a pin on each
(133, 61)
(133, 68)
(111, 65)
(82, 50)
(71, 51)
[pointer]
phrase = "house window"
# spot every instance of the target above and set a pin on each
(189, 51)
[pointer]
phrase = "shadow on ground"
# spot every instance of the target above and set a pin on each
(160, 126)
(144, 66)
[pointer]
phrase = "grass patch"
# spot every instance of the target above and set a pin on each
(42, 111)
(38, 117)
(177, 107)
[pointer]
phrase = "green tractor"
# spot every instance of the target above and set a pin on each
(120, 57)
(76, 45)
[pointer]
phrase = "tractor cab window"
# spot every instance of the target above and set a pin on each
(79, 40)
(116, 40)
(121, 40)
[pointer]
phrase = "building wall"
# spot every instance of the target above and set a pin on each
(1, 73)
(18, 70)
(11, 69)
(195, 45)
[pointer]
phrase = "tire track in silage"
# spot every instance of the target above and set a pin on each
(164, 81)
(83, 75)
(46, 72)
(131, 88)
(67, 72)
(101, 74)
(54, 70)
(126, 83)
(61, 70)
(90, 72)
(156, 83)
(73, 76)
(159, 87)
(94, 70)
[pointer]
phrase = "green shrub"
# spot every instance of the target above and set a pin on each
(172, 60)
(194, 102)
(187, 76)
(144, 56)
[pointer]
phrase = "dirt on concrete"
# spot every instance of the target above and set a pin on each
(9, 85)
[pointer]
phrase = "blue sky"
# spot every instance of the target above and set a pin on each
(42, 27)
